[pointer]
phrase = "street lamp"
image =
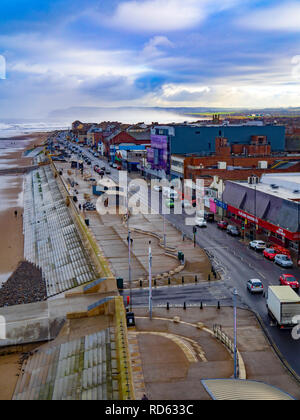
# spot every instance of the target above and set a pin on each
(150, 281)
(130, 243)
(235, 294)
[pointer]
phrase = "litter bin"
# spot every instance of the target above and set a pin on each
(130, 319)
(180, 256)
(120, 283)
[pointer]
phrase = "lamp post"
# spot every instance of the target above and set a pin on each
(130, 242)
(165, 236)
(150, 281)
(235, 293)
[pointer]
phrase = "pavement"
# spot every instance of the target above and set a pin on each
(165, 369)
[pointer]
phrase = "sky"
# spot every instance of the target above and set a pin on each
(59, 54)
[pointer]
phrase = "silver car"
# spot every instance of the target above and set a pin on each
(283, 261)
(258, 245)
(255, 286)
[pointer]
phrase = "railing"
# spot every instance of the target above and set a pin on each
(227, 341)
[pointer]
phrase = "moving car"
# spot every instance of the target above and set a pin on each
(170, 203)
(255, 286)
(270, 254)
(201, 222)
(222, 225)
(283, 261)
(233, 230)
(157, 188)
(257, 245)
(289, 280)
(209, 217)
(186, 204)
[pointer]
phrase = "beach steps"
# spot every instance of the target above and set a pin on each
(83, 369)
(51, 239)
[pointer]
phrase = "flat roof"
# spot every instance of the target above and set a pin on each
(237, 389)
(281, 191)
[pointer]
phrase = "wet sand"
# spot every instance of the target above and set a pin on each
(11, 199)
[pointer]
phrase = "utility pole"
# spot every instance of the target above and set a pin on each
(150, 281)
(235, 332)
(129, 266)
(165, 236)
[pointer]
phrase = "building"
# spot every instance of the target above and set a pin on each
(270, 208)
(210, 140)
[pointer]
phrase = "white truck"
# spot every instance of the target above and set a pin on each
(283, 306)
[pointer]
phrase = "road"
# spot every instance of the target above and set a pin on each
(238, 264)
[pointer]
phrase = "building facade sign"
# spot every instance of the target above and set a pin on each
(292, 236)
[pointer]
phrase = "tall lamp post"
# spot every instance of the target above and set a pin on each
(150, 281)
(235, 293)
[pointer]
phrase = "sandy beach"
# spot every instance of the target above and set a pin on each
(11, 200)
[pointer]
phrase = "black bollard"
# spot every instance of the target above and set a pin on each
(154, 282)
(209, 277)
(219, 306)
(182, 280)
(141, 283)
(168, 306)
(201, 305)
(169, 281)
(196, 279)
(184, 306)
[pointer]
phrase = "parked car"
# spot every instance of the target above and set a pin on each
(283, 261)
(255, 286)
(201, 222)
(222, 225)
(270, 254)
(233, 230)
(107, 171)
(257, 245)
(289, 280)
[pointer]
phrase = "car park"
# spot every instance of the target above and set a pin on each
(283, 261)
(255, 286)
(222, 225)
(289, 280)
(233, 230)
(257, 245)
(270, 254)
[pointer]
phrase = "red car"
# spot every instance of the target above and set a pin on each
(289, 280)
(222, 225)
(270, 253)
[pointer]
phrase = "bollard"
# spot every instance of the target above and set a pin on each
(182, 279)
(219, 306)
(141, 283)
(209, 277)
(196, 279)
(201, 305)
(168, 306)
(169, 281)
(154, 282)
(184, 306)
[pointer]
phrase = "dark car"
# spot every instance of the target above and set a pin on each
(209, 217)
(222, 225)
(233, 231)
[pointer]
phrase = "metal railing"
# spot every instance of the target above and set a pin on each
(226, 341)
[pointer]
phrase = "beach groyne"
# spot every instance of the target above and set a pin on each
(18, 171)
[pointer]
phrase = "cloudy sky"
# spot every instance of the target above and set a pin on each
(173, 53)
